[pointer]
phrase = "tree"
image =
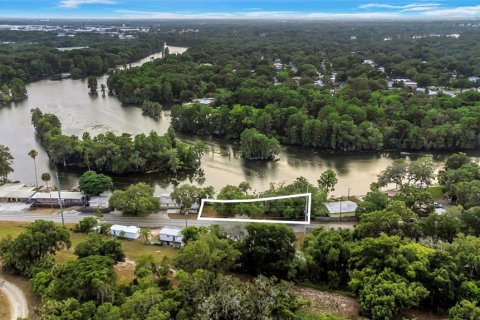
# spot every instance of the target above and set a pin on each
(186, 195)
(395, 173)
(136, 200)
(375, 200)
(440, 227)
(192, 233)
(327, 252)
(85, 225)
(327, 181)
(145, 233)
(152, 109)
(46, 177)
(33, 154)
(465, 310)
(92, 183)
(69, 308)
(268, 249)
(6, 161)
(422, 171)
(40, 239)
(18, 89)
(85, 279)
(395, 219)
(419, 201)
(96, 244)
(470, 221)
(257, 146)
(92, 85)
(385, 295)
(209, 253)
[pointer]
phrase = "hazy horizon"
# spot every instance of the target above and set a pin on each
(248, 9)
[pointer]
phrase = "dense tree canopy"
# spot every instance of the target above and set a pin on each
(108, 152)
(92, 183)
(136, 200)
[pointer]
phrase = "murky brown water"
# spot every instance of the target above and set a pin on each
(80, 112)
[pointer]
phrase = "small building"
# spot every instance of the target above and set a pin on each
(51, 199)
(128, 232)
(166, 202)
(170, 236)
(15, 192)
(336, 208)
(473, 79)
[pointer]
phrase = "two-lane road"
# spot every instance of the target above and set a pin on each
(153, 220)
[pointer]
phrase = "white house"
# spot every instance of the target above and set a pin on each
(129, 232)
(171, 236)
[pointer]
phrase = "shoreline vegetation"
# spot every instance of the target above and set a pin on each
(116, 154)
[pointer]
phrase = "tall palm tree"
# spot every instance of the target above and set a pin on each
(33, 154)
(46, 177)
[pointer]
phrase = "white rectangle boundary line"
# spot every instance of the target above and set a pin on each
(306, 222)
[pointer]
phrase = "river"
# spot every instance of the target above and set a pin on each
(80, 112)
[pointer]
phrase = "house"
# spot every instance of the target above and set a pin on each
(15, 192)
(336, 208)
(51, 199)
(473, 79)
(170, 236)
(128, 232)
(406, 82)
(166, 202)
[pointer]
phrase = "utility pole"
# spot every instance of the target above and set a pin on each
(60, 202)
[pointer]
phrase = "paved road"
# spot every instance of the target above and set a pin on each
(153, 220)
(17, 299)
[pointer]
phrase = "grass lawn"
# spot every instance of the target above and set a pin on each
(133, 249)
(436, 192)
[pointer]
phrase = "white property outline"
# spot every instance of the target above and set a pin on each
(301, 195)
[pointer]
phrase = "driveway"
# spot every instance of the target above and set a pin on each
(17, 299)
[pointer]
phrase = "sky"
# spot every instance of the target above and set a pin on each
(246, 9)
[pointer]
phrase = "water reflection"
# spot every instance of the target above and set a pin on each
(80, 112)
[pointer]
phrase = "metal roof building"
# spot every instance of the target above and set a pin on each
(338, 207)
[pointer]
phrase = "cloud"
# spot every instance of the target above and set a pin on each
(289, 15)
(407, 7)
(458, 12)
(77, 3)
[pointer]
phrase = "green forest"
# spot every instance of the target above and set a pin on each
(268, 81)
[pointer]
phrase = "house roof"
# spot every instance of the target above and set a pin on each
(340, 206)
(126, 229)
(16, 190)
(66, 195)
(170, 231)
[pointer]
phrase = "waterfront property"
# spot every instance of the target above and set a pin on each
(166, 202)
(170, 236)
(128, 232)
(69, 199)
(16, 192)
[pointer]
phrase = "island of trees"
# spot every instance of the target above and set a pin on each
(116, 154)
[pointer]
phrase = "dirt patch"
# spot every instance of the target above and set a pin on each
(125, 271)
(5, 312)
(329, 303)
(422, 315)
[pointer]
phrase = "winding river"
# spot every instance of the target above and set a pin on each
(79, 112)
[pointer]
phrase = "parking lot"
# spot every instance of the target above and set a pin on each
(13, 206)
